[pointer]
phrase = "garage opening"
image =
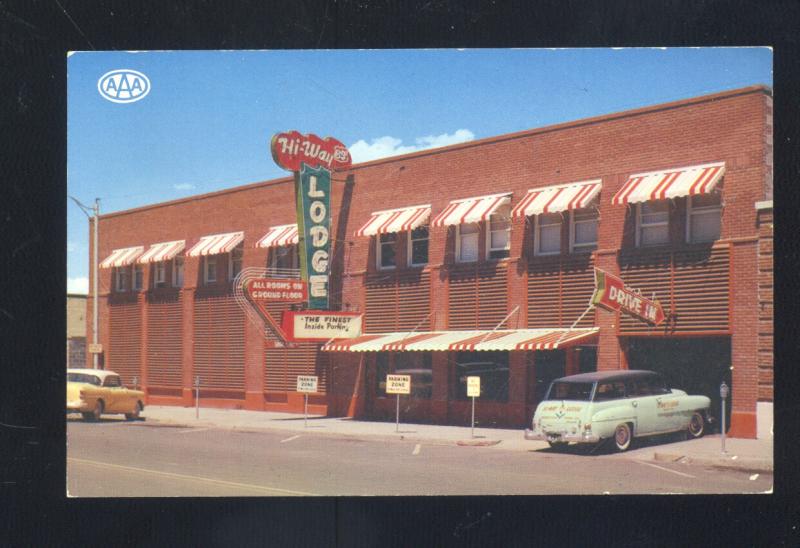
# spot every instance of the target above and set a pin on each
(696, 365)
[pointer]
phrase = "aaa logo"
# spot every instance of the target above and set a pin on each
(123, 86)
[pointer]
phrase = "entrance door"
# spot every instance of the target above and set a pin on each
(548, 365)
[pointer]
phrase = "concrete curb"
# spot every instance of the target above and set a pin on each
(477, 443)
(745, 464)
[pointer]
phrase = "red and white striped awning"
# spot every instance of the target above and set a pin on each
(553, 199)
(122, 257)
(471, 210)
(165, 251)
(670, 183)
(395, 220)
(432, 341)
(279, 235)
(215, 244)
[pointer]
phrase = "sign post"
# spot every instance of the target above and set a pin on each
(398, 384)
(473, 391)
(197, 397)
(306, 384)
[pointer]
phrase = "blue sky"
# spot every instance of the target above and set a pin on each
(208, 119)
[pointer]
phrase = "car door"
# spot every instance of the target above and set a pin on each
(640, 398)
(111, 393)
(669, 414)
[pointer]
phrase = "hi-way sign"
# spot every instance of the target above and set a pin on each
(612, 294)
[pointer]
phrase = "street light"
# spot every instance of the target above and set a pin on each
(96, 214)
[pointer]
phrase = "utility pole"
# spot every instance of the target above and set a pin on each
(95, 221)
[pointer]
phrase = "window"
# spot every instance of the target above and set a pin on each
(652, 222)
(235, 262)
(122, 278)
(579, 391)
(285, 261)
(177, 272)
(387, 251)
(159, 276)
(415, 364)
(210, 273)
(609, 391)
(138, 277)
(112, 381)
(467, 242)
(491, 367)
(704, 215)
(418, 246)
(548, 234)
(583, 230)
(498, 235)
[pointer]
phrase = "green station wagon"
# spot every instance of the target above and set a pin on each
(618, 405)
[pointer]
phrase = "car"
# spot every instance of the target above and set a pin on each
(97, 392)
(591, 408)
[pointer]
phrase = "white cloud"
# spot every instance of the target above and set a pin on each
(78, 285)
(183, 186)
(383, 147)
(71, 247)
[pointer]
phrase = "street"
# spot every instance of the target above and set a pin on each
(115, 458)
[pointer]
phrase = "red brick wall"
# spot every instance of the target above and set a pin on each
(734, 127)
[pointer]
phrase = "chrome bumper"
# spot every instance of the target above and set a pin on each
(560, 436)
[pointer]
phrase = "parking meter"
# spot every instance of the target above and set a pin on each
(723, 393)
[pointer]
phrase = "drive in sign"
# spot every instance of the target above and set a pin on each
(612, 294)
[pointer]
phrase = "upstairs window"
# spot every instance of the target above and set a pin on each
(121, 275)
(210, 269)
(159, 274)
(467, 242)
(138, 277)
(235, 262)
(499, 234)
(652, 220)
(547, 239)
(418, 246)
(285, 261)
(704, 218)
(177, 272)
(583, 229)
(387, 251)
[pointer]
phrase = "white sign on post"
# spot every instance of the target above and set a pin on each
(398, 384)
(306, 383)
(473, 387)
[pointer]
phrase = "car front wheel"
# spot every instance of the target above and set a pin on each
(97, 411)
(697, 426)
(622, 437)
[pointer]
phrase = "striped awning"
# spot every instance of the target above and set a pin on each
(670, 183)
(279, 236)
(122, 257)
(395, 220)
(471, 210)
(165, 251)
(553, 199)
(432, 341)
(215, 244)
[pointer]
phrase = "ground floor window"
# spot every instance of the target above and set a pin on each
(491, 367)
(548, 365)
(415, 364)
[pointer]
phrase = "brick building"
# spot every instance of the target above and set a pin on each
(76, 330)
(474, 259)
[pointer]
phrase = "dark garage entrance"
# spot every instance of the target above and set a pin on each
(696, 365)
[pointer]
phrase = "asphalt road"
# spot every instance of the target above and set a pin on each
(114, 458)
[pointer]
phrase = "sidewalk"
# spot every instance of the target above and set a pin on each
(751, 455)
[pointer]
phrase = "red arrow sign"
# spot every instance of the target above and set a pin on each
(612, 294)
(292, 148)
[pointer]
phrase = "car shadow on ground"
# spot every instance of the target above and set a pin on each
(106, 420)
(606, 447)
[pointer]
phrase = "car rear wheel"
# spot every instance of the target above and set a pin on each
(136, 412)
(622, 437)
(697, 426)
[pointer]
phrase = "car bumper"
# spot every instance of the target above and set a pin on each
(564, 437)
(77, 407)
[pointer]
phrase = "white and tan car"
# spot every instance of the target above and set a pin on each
(618, 405)
(96, 392)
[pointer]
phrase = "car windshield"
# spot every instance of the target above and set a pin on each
(581, 391)
(83, 377)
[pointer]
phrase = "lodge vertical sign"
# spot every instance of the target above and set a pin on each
(313, 194)
(312, 160)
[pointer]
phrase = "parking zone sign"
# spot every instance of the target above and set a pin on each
(398, 384)
(306, 383)
(473, 387)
